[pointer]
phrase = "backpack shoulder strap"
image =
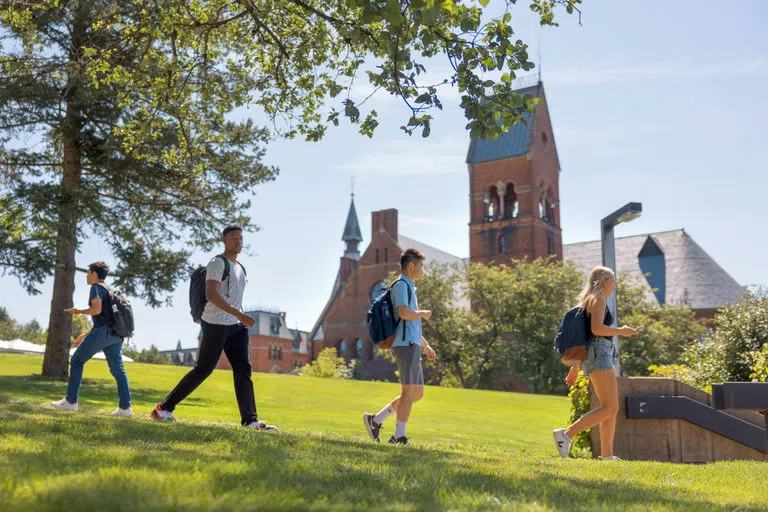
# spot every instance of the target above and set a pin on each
(224, 274)
(409, 304)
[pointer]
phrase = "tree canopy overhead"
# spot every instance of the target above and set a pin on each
(127, 106)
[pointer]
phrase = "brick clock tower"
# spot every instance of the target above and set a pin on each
(514, 191)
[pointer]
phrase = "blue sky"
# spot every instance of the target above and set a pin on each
(658, 102)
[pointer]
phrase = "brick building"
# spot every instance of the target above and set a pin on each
(515, 191)
(274, 347)
(341, 324)
(514, 214)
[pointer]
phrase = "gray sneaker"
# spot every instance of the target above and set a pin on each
(562, 442)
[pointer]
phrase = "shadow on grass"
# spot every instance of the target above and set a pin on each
(275, 470)
(50, 460)
(37, 388)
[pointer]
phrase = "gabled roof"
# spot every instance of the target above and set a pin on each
(352, 227)
(431, 253)
(515, 142)
(692, 277)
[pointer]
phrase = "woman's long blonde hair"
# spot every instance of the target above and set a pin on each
(594, 288)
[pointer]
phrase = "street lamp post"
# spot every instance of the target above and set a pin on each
(626, 213)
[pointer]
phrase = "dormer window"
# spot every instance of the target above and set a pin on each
(653, 266)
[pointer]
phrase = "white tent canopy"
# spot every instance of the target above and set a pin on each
(25, 347)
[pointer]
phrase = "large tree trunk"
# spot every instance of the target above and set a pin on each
(56, 361)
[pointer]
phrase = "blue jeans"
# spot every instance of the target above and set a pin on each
(99, 339)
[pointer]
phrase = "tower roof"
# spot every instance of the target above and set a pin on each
(352, 227)
(515, 142)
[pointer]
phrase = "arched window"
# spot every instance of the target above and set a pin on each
(510, 202)
(492, 211)
(343, 349)
(550, 244)
(359, 348)
(377, 255)
(500, 244)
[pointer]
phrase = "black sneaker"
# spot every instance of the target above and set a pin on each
(372, 427)
(399, 440)
(260, 425)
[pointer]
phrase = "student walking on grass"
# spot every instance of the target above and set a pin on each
(598, 365)
(101, 338)
(407, 346)
(225, 328)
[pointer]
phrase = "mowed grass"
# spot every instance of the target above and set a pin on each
(470, 450)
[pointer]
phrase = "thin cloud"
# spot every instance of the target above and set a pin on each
(598, 75)
(413, 157)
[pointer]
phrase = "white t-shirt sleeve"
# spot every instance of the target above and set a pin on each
(215, 270)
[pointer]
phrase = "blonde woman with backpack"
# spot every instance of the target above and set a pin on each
(598, 365)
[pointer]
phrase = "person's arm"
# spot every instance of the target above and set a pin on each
(401, 302)
(573, 375)
(95, 307)
(407, 314)
(212, 295)
(428, 350)
(597, 313)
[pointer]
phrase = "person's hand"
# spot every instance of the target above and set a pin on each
(430, 352)
(426, 315)
(80, 339)
(573, 375)
(246, 320)
(72, 311)
(626, 330)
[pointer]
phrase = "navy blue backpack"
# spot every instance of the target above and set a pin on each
(381, 319)
(572, 338)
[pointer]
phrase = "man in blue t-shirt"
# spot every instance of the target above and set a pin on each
(406, 347)
(99, 338)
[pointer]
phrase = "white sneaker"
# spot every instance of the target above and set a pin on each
(562, 442)
(260, 425)
(160, 414)
(63, 405)
(612, 457)
(122, 412)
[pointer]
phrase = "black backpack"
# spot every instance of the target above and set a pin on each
(572, 338)
(122, 313)
(380, 318)
(197, 300)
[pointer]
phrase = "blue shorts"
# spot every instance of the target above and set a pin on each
(601, 355)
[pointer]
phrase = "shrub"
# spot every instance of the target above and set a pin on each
(579, 397)
(328, 365)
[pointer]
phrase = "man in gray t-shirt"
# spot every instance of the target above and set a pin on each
(225, 328)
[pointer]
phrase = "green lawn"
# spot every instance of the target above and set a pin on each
(470, 450)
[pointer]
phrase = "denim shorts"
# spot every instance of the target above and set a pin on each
(601, 355)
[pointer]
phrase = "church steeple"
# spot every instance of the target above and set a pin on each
(352, 235)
